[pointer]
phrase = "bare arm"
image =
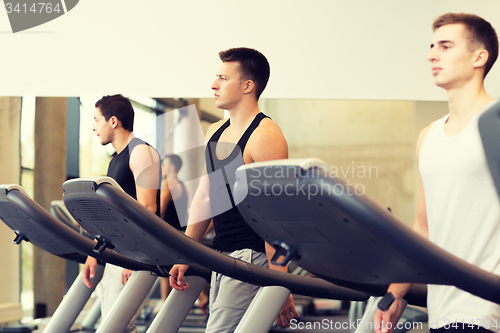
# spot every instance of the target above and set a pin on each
(88, 271)
(288, 312)
(145, 165)
(399, 290)
(268, 144)
(199, 219)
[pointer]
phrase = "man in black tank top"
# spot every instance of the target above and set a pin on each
(248, 136)
(174, 197)
(114, 118)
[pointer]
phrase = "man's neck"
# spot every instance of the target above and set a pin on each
(121, 140)
(242, 115)
(172, 175)
(466, 101)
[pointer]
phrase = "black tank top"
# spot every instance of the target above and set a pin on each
(232, 233)
(171, 216)
(119, 170)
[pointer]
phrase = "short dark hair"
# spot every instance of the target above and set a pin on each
(253, 66)
(480, 33)
(117, 106)
(175, 160)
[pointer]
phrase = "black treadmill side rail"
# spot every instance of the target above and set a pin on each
(489, 130)
(163, 237)
(336, 226)
(31, 222)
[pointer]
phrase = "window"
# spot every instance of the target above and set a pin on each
(94, 158)
(27, 182)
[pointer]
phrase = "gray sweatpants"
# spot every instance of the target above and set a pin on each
(110, 288)
(230, 298)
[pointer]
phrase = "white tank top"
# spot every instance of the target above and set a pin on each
(463, 214)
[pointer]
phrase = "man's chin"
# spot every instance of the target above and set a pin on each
(219, 105)
(440, 82)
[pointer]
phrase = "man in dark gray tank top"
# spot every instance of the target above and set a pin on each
(248, 136)
(114, 118)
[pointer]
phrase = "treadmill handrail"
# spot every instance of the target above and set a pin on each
(360, 210)
(61, 234)
(304, 163)
(10, 187)
(188, 249)
(97, 180)
(55, 233)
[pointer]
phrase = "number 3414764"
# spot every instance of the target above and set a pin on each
(35, 8)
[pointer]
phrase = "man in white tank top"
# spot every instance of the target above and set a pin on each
(458, 208)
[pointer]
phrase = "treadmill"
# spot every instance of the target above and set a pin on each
(322, 224)
(32, 223)
(119, 221)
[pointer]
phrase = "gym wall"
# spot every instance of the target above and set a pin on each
(320, 49)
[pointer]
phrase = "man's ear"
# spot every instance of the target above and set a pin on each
(480, 58)
(248, 87)
(114, 122)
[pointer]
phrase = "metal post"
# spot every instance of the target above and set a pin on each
(263, 310)
(127, 304)
(177, 306)
(72, 303)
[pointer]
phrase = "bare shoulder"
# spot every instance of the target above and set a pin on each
(213, 128)
(143, 151)
(144, 157)
(267, 142)
(421, 137)
(268, 129)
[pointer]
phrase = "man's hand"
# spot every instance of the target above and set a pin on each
(287, 313)
(177, 277)
(88, 271)
(384, 321)
(126, 273)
